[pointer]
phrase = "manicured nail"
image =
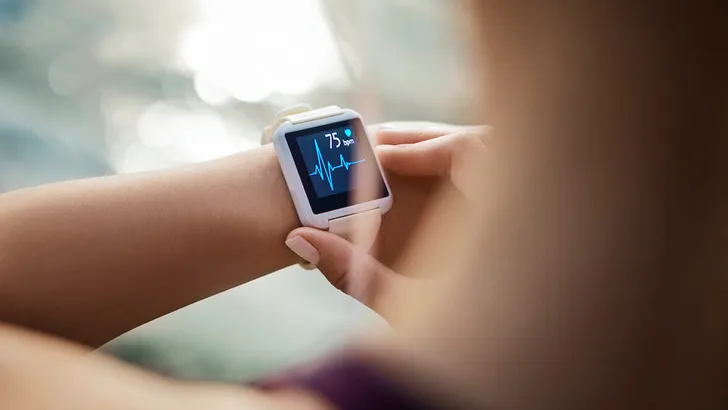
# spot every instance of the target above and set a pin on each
(304, 249)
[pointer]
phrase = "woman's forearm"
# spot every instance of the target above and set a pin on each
(88, 260)
(43, 373)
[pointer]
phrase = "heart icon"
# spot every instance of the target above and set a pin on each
(347, 132)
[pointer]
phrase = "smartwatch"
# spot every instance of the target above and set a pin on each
(332, 172)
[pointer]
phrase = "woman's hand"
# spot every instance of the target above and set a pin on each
(454, 153)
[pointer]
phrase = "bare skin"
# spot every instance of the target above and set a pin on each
(69, 377)
(594, 277)
(89, 260)
(38, 372)
(81, 381)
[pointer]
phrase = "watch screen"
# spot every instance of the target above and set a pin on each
(329, 158)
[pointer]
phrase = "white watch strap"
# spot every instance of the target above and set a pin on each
(298, 114)
(360, 228)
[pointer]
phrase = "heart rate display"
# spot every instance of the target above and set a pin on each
(327, 159)
(324, 169)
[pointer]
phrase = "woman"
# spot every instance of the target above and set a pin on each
(582, 268)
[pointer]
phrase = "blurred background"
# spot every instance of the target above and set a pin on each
(99, 87)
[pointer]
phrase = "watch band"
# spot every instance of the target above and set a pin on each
(359, 228)
(298, 114)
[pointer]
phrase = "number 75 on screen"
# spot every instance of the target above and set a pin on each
(335, 140)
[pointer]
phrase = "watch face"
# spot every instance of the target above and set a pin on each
(336, 165)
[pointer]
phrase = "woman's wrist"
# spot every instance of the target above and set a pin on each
(254, 210)
(153, 241)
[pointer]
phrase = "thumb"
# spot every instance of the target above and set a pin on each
(348, 268)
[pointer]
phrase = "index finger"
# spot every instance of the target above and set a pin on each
(397, 136)
(394, 136)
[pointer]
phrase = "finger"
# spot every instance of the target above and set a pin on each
(397, 136)
(434, 157)
(404, 136)
(346, 267)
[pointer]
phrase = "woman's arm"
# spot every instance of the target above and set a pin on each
(42, 373)
(91, 259)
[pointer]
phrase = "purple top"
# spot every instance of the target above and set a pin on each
(348, 384)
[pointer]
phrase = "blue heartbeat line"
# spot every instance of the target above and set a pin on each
(325, 169)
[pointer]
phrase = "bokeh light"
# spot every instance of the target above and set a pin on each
(91, 88)
(252, 49)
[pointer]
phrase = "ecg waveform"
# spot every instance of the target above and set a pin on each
(324, 169)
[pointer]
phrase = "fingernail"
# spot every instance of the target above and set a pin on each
(304, 249)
